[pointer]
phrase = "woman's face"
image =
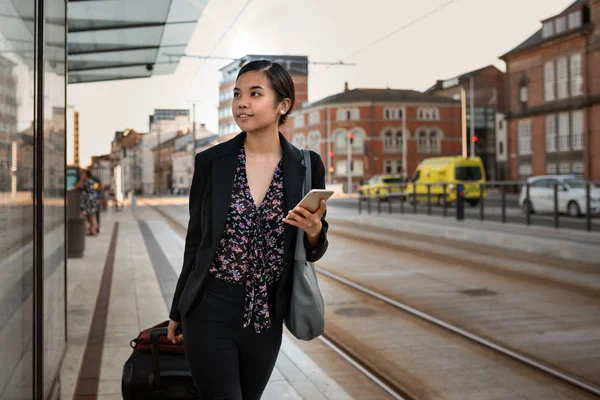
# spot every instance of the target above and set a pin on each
(255, 105)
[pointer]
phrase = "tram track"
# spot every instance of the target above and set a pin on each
(488, 344)
(389, 385)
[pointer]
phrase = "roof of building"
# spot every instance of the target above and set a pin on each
(537, 37)
(439, 85)
(382, 96)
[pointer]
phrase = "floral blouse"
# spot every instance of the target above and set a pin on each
(250, 251)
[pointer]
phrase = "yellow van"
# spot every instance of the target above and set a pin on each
(449, 170)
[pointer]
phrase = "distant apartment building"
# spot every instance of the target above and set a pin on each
(164, 125)
(375, 117)
(489, 124)
(553, 96)
(126, 161)
(297, 66)
(183, 159)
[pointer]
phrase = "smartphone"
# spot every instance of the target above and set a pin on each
(313, 198)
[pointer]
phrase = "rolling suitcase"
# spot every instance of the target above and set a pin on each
(156, 374)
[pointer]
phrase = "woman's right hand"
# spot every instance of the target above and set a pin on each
(171, 332)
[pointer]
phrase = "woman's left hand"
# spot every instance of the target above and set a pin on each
(307, 221)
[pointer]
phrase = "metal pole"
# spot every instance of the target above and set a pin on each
(556, 205)
(328, 146)
(503, 202)
(588, 210)
(349, 160)
(415, 198)
(360, 200)
(429, 199)
(472, 122)
(445, 200)
(481, 206)
(158, 154)
(527, 205)
(463, 117)
(404, 147)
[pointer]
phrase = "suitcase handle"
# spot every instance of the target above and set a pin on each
(154, 335)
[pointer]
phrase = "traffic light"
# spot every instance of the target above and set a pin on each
(331, 169)
(475, 139)
(351, 137)
(331, 154)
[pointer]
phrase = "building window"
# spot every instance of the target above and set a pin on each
(355, 114)
(562, 77)
(434, 142)
(399, 140)
(341, 115)
(299, 121)
(299, 140)
(500, 148)
(428, 114)
(548, 29)
(392, 113)
(524, 171)
(349, 115)
(564, 168)
(578, 168)
(563, 131)
(524, 94)
(387, 166)
(551, 133)
(314, 141)
(501, 124)
(314, 118)
(575, 20)
(576, 77)
(561, 25)
(577, 130)
(422, 141)
(388, 141)
(524, 134)
(549, 81)
(551, 168)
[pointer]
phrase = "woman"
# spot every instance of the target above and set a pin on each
(89, 206)
(235, 285)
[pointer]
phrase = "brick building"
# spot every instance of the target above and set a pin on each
(297, 66)
(490, 126)
(553, 96)
(374, 116)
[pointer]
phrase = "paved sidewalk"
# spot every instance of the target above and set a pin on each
(138, 300)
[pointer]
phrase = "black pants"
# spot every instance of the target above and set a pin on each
(228, 362)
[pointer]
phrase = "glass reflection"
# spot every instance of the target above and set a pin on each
(16, 184)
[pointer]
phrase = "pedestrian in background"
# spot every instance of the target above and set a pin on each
(234, 289)
(88, 205)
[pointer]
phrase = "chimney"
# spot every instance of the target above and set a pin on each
(346, 86)
(203, 126)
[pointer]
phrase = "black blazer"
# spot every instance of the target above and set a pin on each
(210, 197)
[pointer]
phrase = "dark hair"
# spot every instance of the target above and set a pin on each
(278, 77)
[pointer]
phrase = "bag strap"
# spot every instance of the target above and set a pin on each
(308, 174)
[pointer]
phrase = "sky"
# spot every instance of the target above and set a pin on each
(463, 36)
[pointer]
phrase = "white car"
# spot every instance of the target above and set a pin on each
(571, 195)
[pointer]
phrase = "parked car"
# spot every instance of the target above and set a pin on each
(382, 185)
(452, 171)
(571, 195)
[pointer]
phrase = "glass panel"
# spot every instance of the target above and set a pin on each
(97, 14)
(54, 192)
(16, 206)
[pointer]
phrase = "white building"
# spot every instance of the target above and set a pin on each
(164, 125)
(183, 160)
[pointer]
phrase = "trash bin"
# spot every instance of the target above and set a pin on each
(75, 237)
